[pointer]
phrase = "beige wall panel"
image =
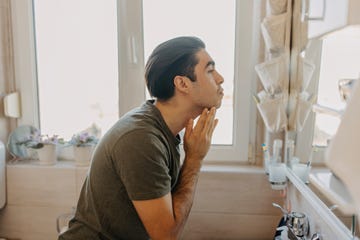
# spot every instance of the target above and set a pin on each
(30, 223)
(40, 186)
(230, 226)
(245, 193)
(81, 173)
(228, 205)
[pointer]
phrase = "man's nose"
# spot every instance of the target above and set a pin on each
(219, 79)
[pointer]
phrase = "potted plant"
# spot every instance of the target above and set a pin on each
(44, 146)
(83, 144)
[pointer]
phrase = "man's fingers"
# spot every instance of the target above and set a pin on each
(189, 128)
(209, 120)
(202, 118)
(205, 124)
(214, 126)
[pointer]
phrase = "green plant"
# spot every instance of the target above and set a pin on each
(83, 139)
(36, 140)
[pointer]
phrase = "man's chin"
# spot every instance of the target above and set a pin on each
(218, 105)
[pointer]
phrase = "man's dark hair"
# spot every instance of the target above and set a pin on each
(175, 57)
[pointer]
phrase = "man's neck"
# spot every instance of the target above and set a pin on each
(176, 115)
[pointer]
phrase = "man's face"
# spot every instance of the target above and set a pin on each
(207, 91)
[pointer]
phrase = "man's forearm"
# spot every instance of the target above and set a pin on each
(197, 141)
(183, 196)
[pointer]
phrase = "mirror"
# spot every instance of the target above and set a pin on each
(349, 220)
(318, 207)
(336, 57)
(339, 70)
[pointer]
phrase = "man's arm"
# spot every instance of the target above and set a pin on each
(165, 217)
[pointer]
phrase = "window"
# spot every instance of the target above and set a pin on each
(77, 75)
(234, 55)
(218, 33)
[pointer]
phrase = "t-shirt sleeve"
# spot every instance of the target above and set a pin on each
(140, 160)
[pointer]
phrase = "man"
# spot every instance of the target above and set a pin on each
(136, 187)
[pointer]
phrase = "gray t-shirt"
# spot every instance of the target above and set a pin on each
(137, 159)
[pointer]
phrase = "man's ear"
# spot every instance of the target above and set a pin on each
(182, 83)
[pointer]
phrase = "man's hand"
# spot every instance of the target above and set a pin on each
(165, 217)
(197, 139)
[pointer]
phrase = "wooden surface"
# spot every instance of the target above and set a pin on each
(228, 205)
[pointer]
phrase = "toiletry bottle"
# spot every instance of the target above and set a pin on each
(267, 158)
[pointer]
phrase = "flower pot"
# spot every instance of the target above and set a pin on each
(47, 154)
(82, 155)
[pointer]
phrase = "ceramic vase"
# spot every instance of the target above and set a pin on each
(47, 154)
(82, 155)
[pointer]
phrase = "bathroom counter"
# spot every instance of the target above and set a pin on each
(231, 201)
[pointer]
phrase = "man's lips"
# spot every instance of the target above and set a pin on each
(221, 92)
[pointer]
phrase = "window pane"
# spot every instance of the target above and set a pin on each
(76, 44)
(340, 59)
(212, 21)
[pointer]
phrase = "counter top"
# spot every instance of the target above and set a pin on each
(333, 188)
(207, 167)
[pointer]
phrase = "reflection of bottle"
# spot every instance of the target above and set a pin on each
(345, 88)
(313, 149)
(266, 158)
(277, 146)
(290, 146)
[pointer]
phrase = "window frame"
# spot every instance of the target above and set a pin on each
(131, 67)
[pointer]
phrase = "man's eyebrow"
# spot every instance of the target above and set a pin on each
(210, 63)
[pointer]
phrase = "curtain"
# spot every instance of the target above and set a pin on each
(7, 83)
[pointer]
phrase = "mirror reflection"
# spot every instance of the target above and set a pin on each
(337, 71)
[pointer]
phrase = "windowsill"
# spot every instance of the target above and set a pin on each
(231, 168)
(207, 167)
(35, 163)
